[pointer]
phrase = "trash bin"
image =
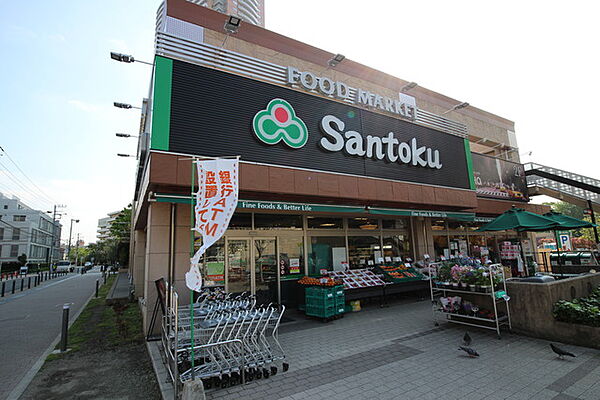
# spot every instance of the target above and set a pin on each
(586, 258)
(572, 258)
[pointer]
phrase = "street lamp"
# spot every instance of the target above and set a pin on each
(457, 107)
(335, 60)
(124, 105)
(70, 233)
(409, 86)
(126, 58)
(124, 155)
(232, 24)
(125, 135)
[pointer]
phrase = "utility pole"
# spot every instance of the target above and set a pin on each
(70, 234)
(50, 257)
(77, 250)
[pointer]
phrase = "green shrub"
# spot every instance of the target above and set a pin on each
(585, 311)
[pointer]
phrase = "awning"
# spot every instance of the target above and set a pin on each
(260, 205)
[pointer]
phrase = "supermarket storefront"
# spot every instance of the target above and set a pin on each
(339, 168)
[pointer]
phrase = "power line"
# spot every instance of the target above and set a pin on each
(52, 201)
(15, 179)
(25, 197)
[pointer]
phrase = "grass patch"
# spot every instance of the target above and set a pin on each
(100, 327)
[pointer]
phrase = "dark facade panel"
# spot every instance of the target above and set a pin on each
(212, 114)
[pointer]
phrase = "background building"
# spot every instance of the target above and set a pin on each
(104, 226)
(252, 11)
(24, 230)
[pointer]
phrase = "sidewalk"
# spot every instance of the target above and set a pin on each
(108, 357)
(397, 353)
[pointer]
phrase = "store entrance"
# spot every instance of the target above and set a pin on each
(252, 267)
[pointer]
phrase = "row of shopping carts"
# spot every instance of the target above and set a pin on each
(232, 341)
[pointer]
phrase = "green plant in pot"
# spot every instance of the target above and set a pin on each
(484, 281)
(444, 278)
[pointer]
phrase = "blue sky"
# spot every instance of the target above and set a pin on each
(532, 62)
(58, 81)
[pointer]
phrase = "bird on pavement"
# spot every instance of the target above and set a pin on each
(561, 353)
(471, 352)
(467, 339)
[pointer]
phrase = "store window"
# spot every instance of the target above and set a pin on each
(366, 224)
(396, 246)
(492, 246)
(399, 223)
(291, 256)
(241, 221)
(363, 251)
(326, 252)
(456, 225)
(438, 225)
(458, 245)
(214, 268)
(325, 223)
(478, 246)
(277, 221)
(440, 246)
(238, 262)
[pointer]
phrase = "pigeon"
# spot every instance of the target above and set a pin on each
(561, 353)
(467, 339)
(471, 352)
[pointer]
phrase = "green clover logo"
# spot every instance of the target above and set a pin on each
(279, 122)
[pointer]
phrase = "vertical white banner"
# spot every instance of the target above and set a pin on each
(216, 201)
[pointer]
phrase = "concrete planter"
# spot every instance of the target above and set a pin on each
(531, 309)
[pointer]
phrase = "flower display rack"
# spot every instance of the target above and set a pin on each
(459, 294)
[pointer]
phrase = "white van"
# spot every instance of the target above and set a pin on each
(64, 266)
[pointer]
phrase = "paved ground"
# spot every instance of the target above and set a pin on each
(30, 321)
(397, 353)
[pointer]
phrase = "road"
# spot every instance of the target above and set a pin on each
(30, 321)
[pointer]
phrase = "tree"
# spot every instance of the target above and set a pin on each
(120, 231)
(22, 259)
(576, 212)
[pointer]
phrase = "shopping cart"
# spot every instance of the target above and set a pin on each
(232, 340)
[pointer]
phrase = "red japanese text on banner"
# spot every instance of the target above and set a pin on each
(216, 201)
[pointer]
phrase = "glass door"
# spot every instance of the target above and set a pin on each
(239, 274)
(265, 270)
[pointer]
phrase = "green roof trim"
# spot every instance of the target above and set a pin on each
(161, 103)
(469, 164)
(256, 205)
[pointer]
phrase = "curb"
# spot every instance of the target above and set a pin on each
(18, 391)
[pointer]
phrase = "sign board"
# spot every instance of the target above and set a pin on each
(564, 240)
(499, 179)
(216, 113)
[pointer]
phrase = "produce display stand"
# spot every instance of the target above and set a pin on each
(497, 296)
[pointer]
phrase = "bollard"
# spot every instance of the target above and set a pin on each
(28, 282)
(22, 281)
(3, 284)
(65, 329)
(104, 276)
(97, 283)
(13, 289)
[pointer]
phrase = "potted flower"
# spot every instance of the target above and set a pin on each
(485, 282)
(457, 274)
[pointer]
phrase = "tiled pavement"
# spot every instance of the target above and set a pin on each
(397, 353)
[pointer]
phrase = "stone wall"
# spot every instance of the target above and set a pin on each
(531, 309)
